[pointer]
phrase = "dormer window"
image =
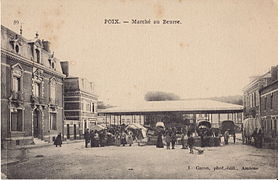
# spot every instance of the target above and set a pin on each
(37, 83)
(16, 48)
(38, 56)
(15, 42)
(17, 74)
(52, 61)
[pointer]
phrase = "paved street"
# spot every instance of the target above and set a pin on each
(75, 161)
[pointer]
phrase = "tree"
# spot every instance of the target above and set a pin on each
(160, 96)
(102, 105)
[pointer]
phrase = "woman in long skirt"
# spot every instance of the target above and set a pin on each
(159, 143)
(117, 140)
(140, 137)
(123, 138)
(130, 139)
(58, 140)
(96, 138)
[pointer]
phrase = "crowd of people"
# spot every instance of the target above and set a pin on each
(124, 136)
(116, 135)
(170, 135)
(207, 137)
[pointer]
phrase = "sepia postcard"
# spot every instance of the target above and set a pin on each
(139, 89)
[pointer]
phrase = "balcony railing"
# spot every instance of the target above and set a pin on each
(54, 101)
(38, 100)
(17, 95)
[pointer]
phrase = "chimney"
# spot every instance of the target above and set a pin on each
(274, 73)
(46, 46)
(65, 68)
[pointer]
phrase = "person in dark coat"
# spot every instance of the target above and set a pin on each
(101, 139)
(260, 139)
(140, 136)
(159, 143)
(254, 135)
(202, 140)
(168, 139)
(92, 138)
(123, 139)
(183, 140)
(87, 137)
(58, 140)
(190, 143)
(173, 138)
(226, 137)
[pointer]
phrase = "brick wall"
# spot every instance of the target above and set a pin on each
(266, 107)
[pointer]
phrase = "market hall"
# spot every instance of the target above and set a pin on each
(173, 113)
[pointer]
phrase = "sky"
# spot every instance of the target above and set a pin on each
(213, 52)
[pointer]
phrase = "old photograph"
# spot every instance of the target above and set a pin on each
(139, 89)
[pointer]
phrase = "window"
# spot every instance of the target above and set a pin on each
(17, 49)
(271, 100)
(16, 84)
(36, 89)
(38, 56)
(265, 102)
(52, 92)
(93, 107)
(254, 98)
(53, 122)
(16, 120)
(83, 103)
(88, 107)
(85, 124)
(250, 99)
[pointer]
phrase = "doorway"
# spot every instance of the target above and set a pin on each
(36, 123)
(74, 131)
(68, 131)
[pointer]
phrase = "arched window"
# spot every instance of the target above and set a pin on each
(37, 89)
(17, 74)
(52, 90)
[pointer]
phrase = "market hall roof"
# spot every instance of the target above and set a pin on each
(190, 106)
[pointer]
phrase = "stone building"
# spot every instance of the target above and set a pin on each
(80, 102)
(261, 104)
(251, 95)
(269, 105)
(31, 90)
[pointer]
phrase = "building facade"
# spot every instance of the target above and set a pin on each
(80, 103)
(31, 90)
(261, 104)
(269, 105)
(251, 95)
